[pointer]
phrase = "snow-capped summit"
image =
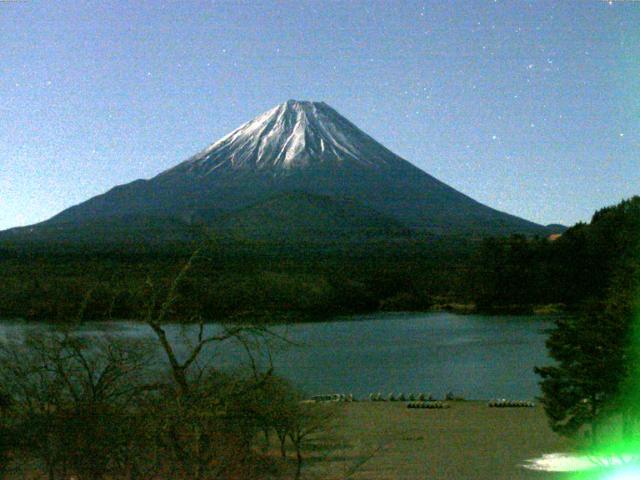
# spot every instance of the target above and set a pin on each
(290, 135)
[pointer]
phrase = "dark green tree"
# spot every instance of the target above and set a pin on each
(583, 387)
(596, 351)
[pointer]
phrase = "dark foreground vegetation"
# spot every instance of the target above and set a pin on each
(93, 408)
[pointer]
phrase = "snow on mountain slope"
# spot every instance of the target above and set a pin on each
(294, 134)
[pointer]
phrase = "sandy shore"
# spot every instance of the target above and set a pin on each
(467, 441)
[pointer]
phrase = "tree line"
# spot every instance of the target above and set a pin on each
(515, 274)
(48, 283)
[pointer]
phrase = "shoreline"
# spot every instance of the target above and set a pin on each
(284, 318)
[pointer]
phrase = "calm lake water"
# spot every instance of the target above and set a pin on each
(478, 357)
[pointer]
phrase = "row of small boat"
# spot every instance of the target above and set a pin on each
(504, 403)
(401, 397)
(427, 405)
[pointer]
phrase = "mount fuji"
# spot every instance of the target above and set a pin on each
(300, 168)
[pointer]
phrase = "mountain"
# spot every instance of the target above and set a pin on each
(298, 162)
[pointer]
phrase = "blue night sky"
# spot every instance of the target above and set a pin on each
(530, 107)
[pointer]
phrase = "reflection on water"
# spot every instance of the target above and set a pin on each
(474, 356)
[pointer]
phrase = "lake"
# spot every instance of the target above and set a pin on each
(474, 356)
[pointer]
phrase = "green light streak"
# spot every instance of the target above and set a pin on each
(628, 473)
(617, 455)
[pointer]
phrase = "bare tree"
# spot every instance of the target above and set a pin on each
(97, 406)
(203, 427)
(72, 397)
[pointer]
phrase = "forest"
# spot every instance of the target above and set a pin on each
(305, 280)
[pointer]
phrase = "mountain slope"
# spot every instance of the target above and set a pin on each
(296, 147)
(306, 216)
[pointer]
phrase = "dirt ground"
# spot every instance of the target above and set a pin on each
(386, 440)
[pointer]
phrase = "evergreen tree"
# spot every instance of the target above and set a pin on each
(597, 351)
(584, 386)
